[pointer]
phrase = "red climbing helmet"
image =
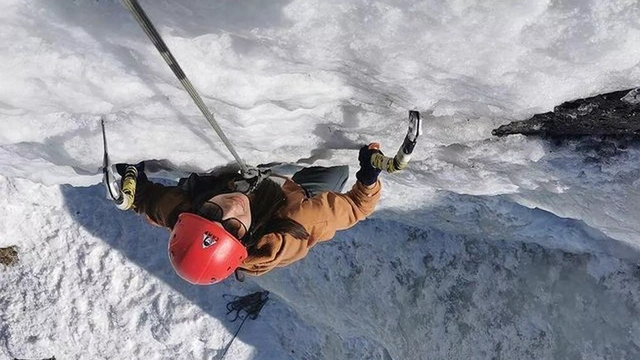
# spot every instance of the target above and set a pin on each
(202, 252)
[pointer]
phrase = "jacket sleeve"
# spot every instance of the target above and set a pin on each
(321, 215)
(161, 204)
(326, 213)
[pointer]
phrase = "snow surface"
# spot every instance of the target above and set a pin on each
(484, 248)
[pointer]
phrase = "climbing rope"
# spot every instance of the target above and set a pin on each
(244, 307)
(146, 24)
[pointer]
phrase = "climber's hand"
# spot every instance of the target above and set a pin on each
(368, 174)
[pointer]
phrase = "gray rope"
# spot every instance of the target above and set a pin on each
(139, 14)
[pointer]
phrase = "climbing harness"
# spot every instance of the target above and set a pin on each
(251, 179)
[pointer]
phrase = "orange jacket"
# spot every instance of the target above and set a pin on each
(321, 215)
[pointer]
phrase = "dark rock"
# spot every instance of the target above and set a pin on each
(612, 114)
(8, 255)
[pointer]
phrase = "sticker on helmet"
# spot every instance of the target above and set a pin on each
(208, 239)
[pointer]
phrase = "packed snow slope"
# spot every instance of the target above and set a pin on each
(504, 248)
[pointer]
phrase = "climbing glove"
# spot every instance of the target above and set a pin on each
(368, 174)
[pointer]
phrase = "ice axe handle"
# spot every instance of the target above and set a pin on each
(129, 181)
(402, 157)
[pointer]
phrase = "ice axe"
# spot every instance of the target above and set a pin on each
(402, 157)
(122, 197)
